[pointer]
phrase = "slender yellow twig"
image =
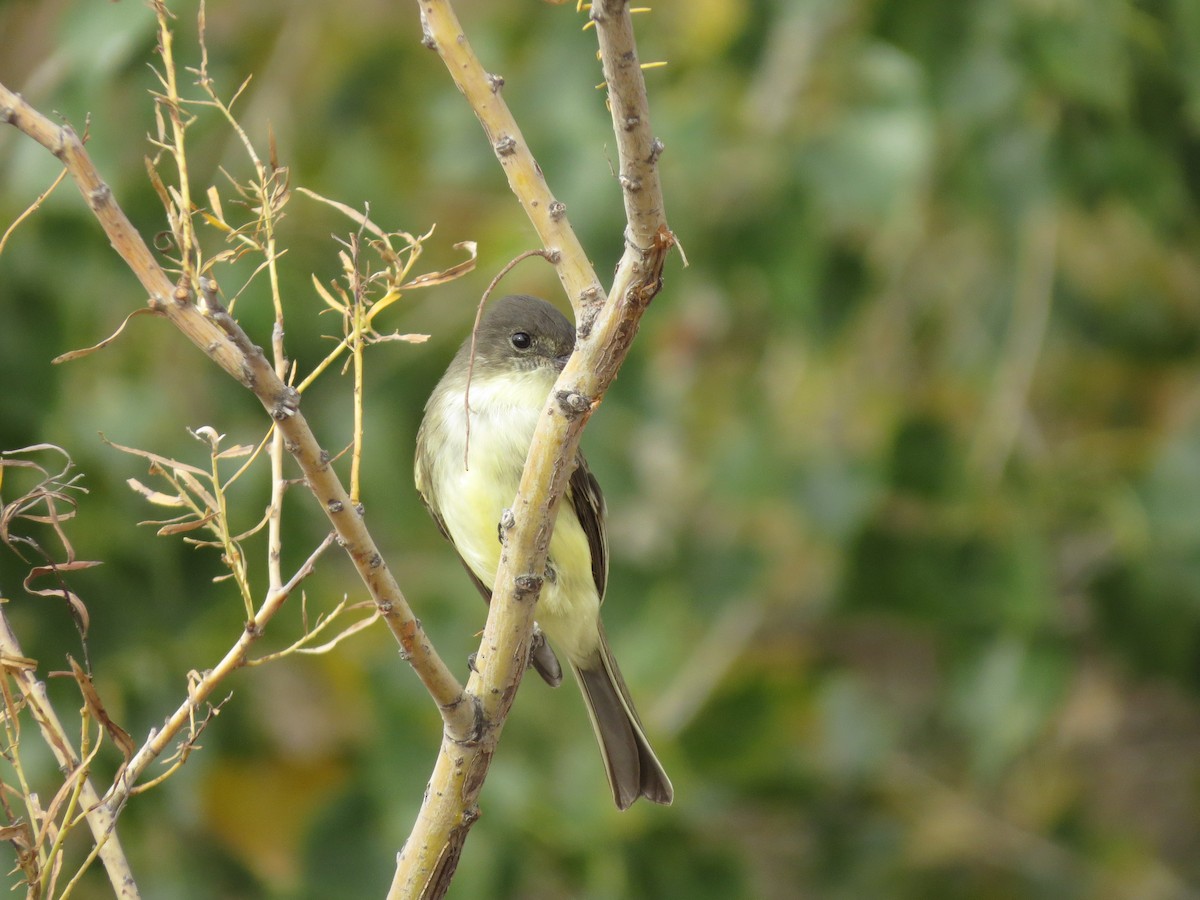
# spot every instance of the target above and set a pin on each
(184, 228)
(303, 644)
(75, 783)
(31, 209)
(198, 693)
(269, 190)
(359, 329)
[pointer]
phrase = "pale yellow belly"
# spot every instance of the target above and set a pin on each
(569, 605)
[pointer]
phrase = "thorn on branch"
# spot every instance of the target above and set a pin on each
(506, 145)
(557, 210)
(590, 301)
(572, 404)
(66, 135)
(527, 584)
(427, 39)
(287, 404)
(334, 506)
(210, 296)
(99, 196)
(496, 82)
(592, 295)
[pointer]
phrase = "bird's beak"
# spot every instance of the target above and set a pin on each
(560, 362)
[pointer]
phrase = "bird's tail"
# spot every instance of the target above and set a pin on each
(633, 769)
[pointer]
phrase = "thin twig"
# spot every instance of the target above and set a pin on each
(269, 192)
(30, 210)
(233, 659)
(177, 145)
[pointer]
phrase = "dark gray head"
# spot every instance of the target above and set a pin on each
(521, 333)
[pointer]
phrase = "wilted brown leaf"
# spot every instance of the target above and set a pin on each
(91, 697)
(429, 279)
(78, 608)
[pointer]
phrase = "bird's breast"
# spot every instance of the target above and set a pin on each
(478, 470)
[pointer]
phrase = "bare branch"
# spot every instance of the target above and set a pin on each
(215, 332)
(637, 148)
(199, 693)
(483, 90)
(605, 332)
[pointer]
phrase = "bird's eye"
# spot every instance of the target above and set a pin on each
(521, 340)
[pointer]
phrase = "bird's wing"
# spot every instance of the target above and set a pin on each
(588, 502)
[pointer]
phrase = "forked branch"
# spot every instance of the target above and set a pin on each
(605, 331)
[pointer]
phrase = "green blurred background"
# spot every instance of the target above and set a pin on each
(903, 471)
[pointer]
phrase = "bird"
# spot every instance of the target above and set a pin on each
(521, 345)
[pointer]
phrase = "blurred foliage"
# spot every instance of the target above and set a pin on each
(903, 472)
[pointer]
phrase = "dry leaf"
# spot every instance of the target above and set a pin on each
(156, 497)
(12, 663)
(78, 609)
(91, 697)
(429, 279)
(182, 527)
(237, 451)
(162, 461)
(348, 211)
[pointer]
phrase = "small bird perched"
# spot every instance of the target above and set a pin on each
(521, 346)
